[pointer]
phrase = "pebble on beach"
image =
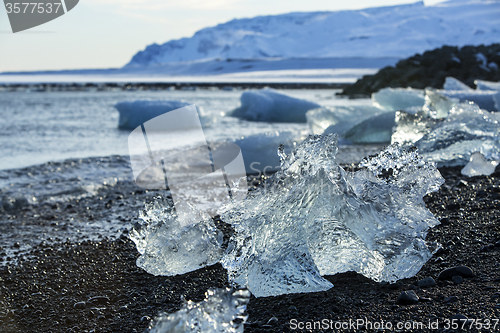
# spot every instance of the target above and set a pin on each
(407, 298)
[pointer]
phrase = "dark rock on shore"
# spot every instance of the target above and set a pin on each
(407, 298)
(430, 69)
(462, 271)
(427, 282)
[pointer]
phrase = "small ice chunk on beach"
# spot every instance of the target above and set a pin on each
(222, 311)
(314, 218)
(437, 105)
(133, 114)
(270, 106)
(450, 83)
(466, 130)
(170, 245)
(411, 127)
(395, 99)
(479, 166)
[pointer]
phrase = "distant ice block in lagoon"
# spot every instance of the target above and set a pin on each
(479, 166)
(271, 106)
(339, 119)
(376, 129)
(396, 99)
(487, 85)
(450, 83)
(222, 311)
(171, 247)
(356, 124)
(133, 114)
(314, 218)
(259, 150)
(485, 99)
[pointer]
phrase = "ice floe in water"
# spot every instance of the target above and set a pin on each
(222, 311)
(395, 99)
(339, 119)
(487, 85)
(133, 114)
(366, 124)
(450, 83)
(354, 124)
(259, 150)
(170, 245)
(376, 129)
(271, 106)
(485, 99)
(314, 218)
(479, 166)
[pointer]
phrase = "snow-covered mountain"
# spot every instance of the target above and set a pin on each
(395, 31)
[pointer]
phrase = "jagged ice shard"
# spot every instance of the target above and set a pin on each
(170, 245)
(313, 218)
(447, 132)
(466, 130)
(222, 311)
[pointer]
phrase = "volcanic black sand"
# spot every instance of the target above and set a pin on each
(95, 286)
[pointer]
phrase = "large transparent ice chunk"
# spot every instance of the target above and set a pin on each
(384, 218)
(222, 311)
(133, 114)
(396, 99)
(314, 218)
(479, 166)
(466, 130)
(170, 245)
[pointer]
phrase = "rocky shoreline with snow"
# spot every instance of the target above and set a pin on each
(95, 286)
(431, 68)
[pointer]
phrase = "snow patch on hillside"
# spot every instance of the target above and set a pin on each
(394, 31)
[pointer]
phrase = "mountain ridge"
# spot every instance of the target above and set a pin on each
(390, 31)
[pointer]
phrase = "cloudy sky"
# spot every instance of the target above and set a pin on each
(107, 33)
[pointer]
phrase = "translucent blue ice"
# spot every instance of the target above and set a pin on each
(222, 311)
(313, 218)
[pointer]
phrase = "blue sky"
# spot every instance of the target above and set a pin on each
(107, 33)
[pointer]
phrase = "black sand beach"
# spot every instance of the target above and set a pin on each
(95, 286)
